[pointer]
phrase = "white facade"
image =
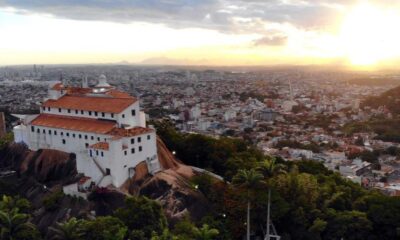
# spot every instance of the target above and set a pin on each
(108, 144)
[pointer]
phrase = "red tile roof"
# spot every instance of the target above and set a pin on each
(101, 146)
(74, 123)
(120, 132)
(57, 87)
(91, 103)
(87, 125)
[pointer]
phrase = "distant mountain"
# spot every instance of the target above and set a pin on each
(172, 61)
(390, 99)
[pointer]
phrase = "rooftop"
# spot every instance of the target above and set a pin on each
(105, 104)
(74, 123)
(120, 132)
(87, 125)
(101, 146)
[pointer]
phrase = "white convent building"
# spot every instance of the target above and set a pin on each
(104, 127)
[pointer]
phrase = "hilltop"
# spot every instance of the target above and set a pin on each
(389, 99)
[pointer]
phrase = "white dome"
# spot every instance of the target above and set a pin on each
(102, 81)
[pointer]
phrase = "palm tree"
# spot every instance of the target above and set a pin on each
(69, 230)
(249, 180)
(13, 223)
(205, 232)
(270, 168)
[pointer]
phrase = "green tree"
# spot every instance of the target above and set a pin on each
(270, 169)
(16, 226)
(184, 229)
(104, 228)
(248, 180)
(166, 235)
(8, 203)
(351, 225)
(69, 230)
(205, 233)
(4, 141)
(143, 214)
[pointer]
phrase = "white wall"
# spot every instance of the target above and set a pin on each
(114, 159)
(74, 113)
(126, 117)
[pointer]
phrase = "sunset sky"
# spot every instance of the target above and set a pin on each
(201, 32)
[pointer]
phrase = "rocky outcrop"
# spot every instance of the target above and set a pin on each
(176, 195)
(46, 166)
(44, 172)
(171, 187)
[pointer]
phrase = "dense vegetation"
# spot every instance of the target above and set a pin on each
(390, 99)
(140, 219)
(308, 201)
(386, 129)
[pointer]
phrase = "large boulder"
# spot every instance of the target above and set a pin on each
(171, 187)
(45, 165)
(175, 194)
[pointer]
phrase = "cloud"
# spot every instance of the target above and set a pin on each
(221, 15)
(271, 41)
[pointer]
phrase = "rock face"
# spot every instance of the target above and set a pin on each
(175, 194)
(46, 166)
(171, 187)
(44, 172)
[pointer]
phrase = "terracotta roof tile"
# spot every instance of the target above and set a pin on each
(101, 146)
(74, 123)
(120, 132)
(91, 103)
(57, 86)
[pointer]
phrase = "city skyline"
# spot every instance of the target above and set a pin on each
(357, 34)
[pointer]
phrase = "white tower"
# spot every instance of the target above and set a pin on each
(85, 82)
(103, 81)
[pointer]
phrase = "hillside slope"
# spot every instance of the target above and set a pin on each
(390, 99)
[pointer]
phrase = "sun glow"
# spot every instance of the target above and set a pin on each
(370, 35)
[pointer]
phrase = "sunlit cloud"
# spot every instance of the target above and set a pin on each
(199, 31)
